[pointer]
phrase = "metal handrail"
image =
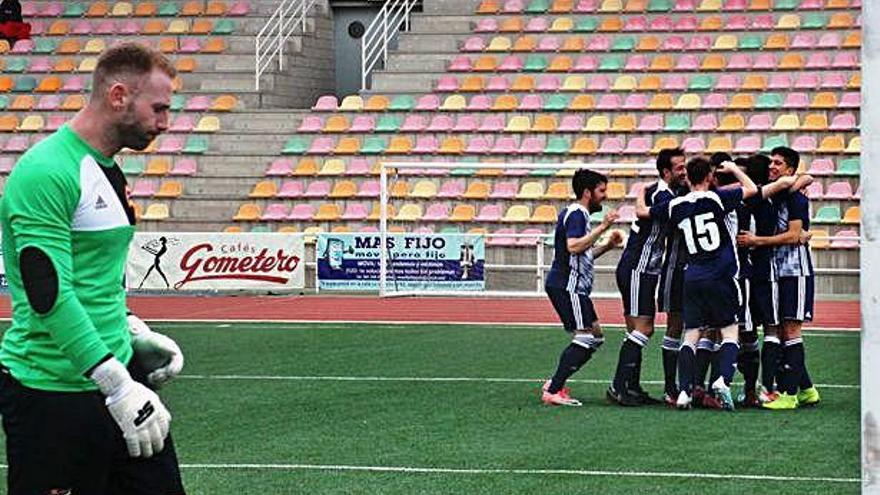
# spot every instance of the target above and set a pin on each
(385, 26)
(281, 25)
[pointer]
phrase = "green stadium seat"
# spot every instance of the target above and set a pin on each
(828, 214)
(388, 123)
(133, 165)
(814, 20)
(751, 42)
(586, 24)
(295, 146)
(16, 65)
(786, 4)
(224, 26)
(538, 6)
(542, 172)
(771, 142)
(611, 63)
(177, 102)
(557, 102)
(402, 103)
(169, 9)
(450, 230)
(196, 145)
(4, 102)
(535, 63)
(701, 82)
(677, 123)
(45, 46)
(25, 84)
(74, 9)
(769, 101)
(660, 6)
(462, 172)
(261, 229)
(557, 145)
(624, 44)
(849, 167)
(373, 146)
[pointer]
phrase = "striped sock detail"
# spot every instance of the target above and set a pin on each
(689, 345)
(706, 344)
(588, 341)
(671, 344)
(638, 338)
(772, 339)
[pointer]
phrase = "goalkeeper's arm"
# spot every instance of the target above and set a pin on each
(148, 345)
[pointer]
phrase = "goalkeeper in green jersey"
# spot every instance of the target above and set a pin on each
(78, 410)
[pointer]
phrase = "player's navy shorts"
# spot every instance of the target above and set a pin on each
(67, 442)
(744, 313)
(638, 291)
(796, 298)
(764, 302)
(671, 293)
(710, 303)
(575, 310)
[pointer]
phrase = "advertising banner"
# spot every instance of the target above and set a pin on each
(350, 262)
(215, 261)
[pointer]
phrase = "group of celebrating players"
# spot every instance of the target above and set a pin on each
(720, 246)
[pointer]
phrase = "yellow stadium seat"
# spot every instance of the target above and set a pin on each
(424, 189)
(94, 46)
(574, 83)
(463, 213)
(376, 212)
(477, 190)
(562, 25)
(732, 123)
(726, 42)
(73, 103)
(582, 102)
(87, 64)
(156, 211)
(597, 123)
(167, 45)
(170, 189)
(719, 143)
(158, 166)
(815, 122)
(344, 189)
(545, 123)
(855, 81)
(332, 167)
(787, 122)
(820, 239)
(248, 212)
(518, 123)
(499, 44)
(32, 123)
(224, 103)
(558, 190)
(611, 6)
(709, 6)
(664, 143)
(687, 101)
(336, 123)
(453, 103)
(544, 214)
(409, 213)
(305, 167)
(854, 146)
(517, 213)
(489, 172)
(624, 83)
(531, 190)
(853, 40)
(742, 101)
(624, 123)
(208, 123)
(789, 21)
(122, 9)
(4, 48)
(399, 145)
(327, 212)
(178, 26)
(352, 103)
(616, 190)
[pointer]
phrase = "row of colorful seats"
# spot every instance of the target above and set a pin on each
(560, 102)
(73, 46)
(134, 165)
(146, 188)
(154, 212)
(358, 166)
(672, 43)
(628, 82)
(656, 63)
(636, 6)
(623, 122)
(170, 144)
(74, 102)
(127, 27)
(45, 64)
(664, 23)
(37, 123)
(562, 145)
(192, 8)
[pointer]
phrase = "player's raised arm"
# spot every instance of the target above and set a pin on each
(790, 182)
(578, 245)
(749, 188)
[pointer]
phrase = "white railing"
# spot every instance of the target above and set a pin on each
(270, 41)
(383, 29)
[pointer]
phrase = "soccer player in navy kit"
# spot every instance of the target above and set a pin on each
(570, 279)
(792, 269)
(637, 275)
(711, 294)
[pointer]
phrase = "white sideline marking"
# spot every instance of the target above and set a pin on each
(456, 379)
(575, 472)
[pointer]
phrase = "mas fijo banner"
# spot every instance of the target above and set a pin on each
(415, 262)
(215, 261)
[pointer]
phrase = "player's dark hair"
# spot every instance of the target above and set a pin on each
(758, 169)
(792, 158)
(718, 158)
(727, 179)
(698, 169)
(586, 179)
(664, 159)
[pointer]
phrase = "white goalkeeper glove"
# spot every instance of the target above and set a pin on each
(137, 410)
(158, 353)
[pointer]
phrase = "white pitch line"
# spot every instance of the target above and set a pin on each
(575, 472)
(452, 379)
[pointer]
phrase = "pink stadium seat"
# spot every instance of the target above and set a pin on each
(843, 122)
(765, 61)
(23, 46)
(505, 145)
(199, 103)
(651, 123)
(599, 83)
(275, 212)
(821, 166)
(436, 212)
(144, 189)
(747, 145)
(804, 144)
(81, 28)
(460, 64)
(326, 103)
(735, 5)
(779, 80)
(674, 43)
(311, 123)
(693, 145)
(636, 101)
(549, 44)
(739, 61)
(833, 80)
(627, 214)
(537, 25)
(186, 123)
(636, 189)
(474, 44)
(532, 145)
(451, 189)
(355, 211)
(489, 213)
(685, 23)
(705, 122)
(129, 28)
(413, 123)
(661, 23)
(302, 212)
(638, 145)
(675, 82)
(486, 25)
(636, 63)
(796, 100)
(850, 100)
(55, 122)
(599, 43)
(684, 5)
(440, 123)
(184, 167)
(609, 102)
(845, 60)
(239, 8)
(818, 60)
(478, 145)
(358, 166)
(426, 145)
(611, 146)
(6, 164)
(759, 122)
(845, 243)
(29, 9)
(105, 27)
(363, 123)
(829, 40)
(687, 62)
(812, 4)
(728, 82)
(428, 103)
(548, 82)
(585, 63)
(503, 190)
(479, 103)
(466, 123)
(369, 189)
(321, 146)
(190, 45)
(763, 22)
(815, 190)
(839, 190)
(511, 63)
(53, 9)
(807, 80)
(635, 24)
(501, 237)
(700, 43)
(571, 123)
(447, 84)
(497, 83)
(170, 144)
(492, 123)
(317, 189)
(803, 41)
(531, 103)
(586, 6)
(49, 102)
(715, 101)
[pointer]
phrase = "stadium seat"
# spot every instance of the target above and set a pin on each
(156, 212)
(852, 215)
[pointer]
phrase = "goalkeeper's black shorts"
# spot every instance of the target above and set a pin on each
(67, 442)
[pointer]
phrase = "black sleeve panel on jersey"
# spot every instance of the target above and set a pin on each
(39, 278)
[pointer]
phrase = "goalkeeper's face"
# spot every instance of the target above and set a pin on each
(147, 111)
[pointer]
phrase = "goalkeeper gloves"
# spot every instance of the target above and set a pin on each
(158, 353)
(137, 410)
